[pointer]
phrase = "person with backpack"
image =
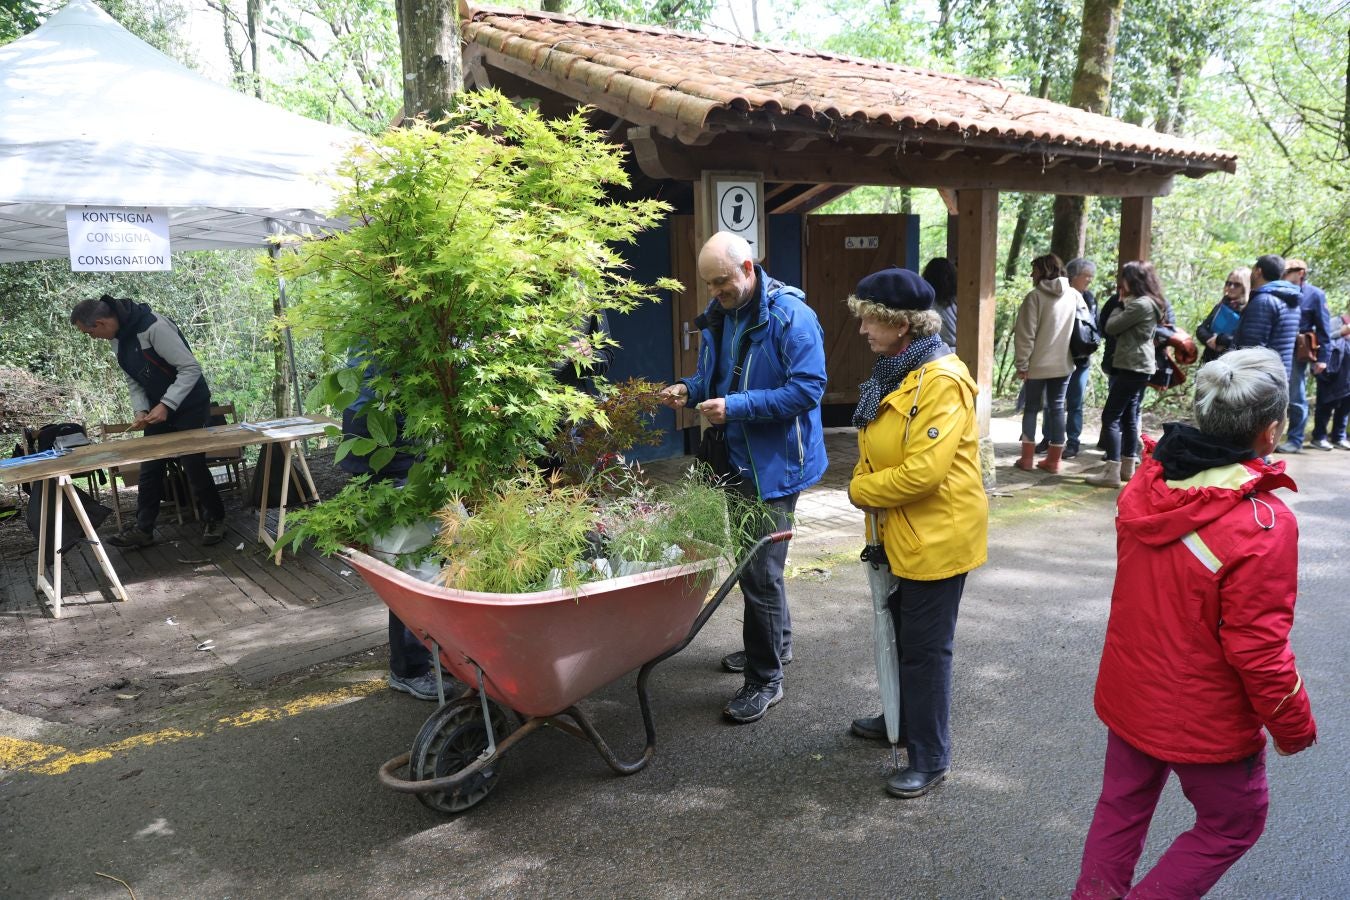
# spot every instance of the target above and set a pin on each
(168, 393)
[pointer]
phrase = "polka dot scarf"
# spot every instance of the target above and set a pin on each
(887, 374)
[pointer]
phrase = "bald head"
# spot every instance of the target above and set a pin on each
(727, 266)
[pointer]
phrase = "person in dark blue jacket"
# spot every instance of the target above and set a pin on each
(761, 374)
(168, 393)
(1271, 317)
(1314, 319)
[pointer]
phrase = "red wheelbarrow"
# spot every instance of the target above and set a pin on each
(528, 659)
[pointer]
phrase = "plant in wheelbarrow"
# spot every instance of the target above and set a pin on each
(478, 251)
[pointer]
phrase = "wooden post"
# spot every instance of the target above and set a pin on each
(977, 248)
(949, 197)
(1136, 229)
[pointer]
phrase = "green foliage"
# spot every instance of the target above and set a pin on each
(528, 534)
(18, 17)
(516, 537)
(212, 296)
(685, 15)
(622, 420)
(482, 246)
(337, 61)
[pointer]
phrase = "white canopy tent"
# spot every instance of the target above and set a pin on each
(90, 115)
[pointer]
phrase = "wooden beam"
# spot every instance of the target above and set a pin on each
(949, 199)
(661, 157)
(807, 200)
(1136, 228)
(977, 248)
(475, 73)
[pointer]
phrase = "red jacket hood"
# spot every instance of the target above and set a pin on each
(1157, 512)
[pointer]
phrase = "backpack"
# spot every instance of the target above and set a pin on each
(1084, 339)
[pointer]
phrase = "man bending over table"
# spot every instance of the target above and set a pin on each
(168, 393)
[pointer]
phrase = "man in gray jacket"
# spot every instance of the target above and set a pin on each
(168, 393)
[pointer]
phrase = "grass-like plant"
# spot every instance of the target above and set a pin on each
(517, 536)
(477, 248)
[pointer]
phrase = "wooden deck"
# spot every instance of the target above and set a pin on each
(263, 620)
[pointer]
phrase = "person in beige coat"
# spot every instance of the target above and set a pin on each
(1045, 321)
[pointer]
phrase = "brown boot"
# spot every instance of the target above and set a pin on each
(1027, 462)
(1052, 457)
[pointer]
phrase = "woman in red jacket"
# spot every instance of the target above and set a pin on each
(1197, 660)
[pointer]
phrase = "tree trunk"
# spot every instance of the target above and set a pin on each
(433, 65)
(1092, 92)
(254, 12)
(236, 61)
(553, 6)
(281, 370)
(1019, 234)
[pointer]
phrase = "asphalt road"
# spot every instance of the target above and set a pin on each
(278, 797)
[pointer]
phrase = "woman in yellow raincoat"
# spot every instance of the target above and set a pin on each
(919, 471)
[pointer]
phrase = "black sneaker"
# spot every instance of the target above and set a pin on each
(213, 532)
(1071, 450)
(873, 728)
(751, 702)
(735, 662)
(1043, 446)
(423, 686)
(131, 539)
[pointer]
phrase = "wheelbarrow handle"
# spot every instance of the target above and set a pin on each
(711, 606)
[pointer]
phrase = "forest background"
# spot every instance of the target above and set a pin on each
(1268, 80)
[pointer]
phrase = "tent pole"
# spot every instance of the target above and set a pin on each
(274, 250)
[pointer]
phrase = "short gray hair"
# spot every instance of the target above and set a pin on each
(1239, 394)
(1080, 265)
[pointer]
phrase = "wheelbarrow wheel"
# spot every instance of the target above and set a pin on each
(450, 741)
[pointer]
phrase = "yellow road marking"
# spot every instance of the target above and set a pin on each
(51, 759)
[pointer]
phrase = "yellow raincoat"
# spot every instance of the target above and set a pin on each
(919, 460)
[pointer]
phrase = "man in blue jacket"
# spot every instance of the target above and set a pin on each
(761, 374)
(168, 393)
(1271, 317)
(1315, 319)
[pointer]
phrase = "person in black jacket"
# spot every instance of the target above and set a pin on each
(168, 393)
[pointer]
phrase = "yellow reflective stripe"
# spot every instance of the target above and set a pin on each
(1202, 553)
(1232, 477)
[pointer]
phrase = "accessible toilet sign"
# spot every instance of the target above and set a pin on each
(118, 238)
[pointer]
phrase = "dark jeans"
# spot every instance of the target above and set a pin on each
(767, 629)
(1047, 392)
(150, 484)
(1298, 403)
(925, 632)
(1073, 403)
(1336, 412)
(408, 656)
(1120, 416)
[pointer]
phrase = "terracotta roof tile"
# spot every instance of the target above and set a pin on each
(691, 78)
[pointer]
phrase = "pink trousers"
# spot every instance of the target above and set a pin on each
(1230, 801)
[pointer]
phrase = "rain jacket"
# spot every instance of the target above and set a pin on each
(1271, 319)
(919, 460)
(1197, 658)
(1132, 325)
(1045, 321)
(773, 411)
(158, 362)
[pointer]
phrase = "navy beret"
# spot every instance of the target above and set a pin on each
(896, 288)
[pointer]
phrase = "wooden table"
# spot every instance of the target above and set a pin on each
(56, 474)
